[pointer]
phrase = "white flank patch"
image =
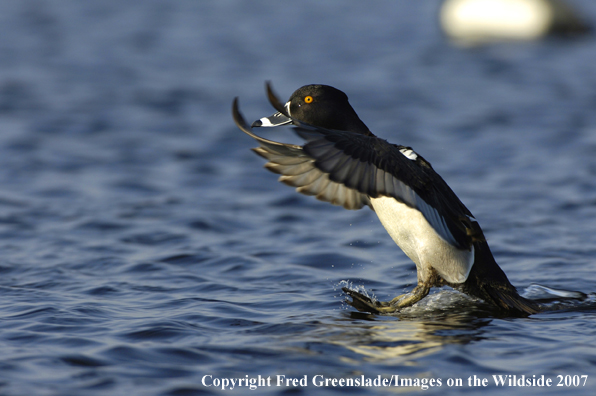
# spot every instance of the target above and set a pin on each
(421, 243)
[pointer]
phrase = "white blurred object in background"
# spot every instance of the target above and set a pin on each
(474, 22)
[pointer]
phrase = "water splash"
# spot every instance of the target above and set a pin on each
(542, 293)
(559, 299)
(358, 288)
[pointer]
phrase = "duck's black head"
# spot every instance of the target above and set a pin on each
(322, 106)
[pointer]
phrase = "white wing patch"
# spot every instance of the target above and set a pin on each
(409, 153)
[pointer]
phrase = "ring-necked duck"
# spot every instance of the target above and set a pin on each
(343, 163)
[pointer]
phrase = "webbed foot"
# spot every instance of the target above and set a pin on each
(364, 304)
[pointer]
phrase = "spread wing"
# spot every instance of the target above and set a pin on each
(298, 170)
(346, 168)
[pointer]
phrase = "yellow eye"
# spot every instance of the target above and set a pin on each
(308, 99)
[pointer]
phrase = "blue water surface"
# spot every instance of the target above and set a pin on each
(144, 250)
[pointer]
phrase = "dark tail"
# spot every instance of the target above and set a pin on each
(488, 282)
